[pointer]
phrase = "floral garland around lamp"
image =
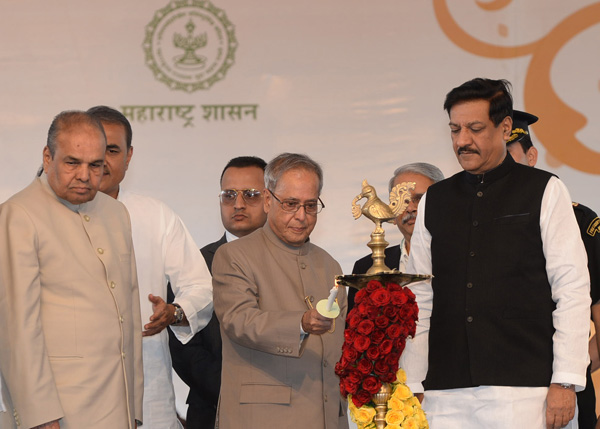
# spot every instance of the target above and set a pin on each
(374, 338)
(404, 409)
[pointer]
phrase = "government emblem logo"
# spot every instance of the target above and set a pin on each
(190, 45)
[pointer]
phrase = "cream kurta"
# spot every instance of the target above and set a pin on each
(70, 346)
(268, 380)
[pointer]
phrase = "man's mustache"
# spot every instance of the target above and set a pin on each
(466, 150)
(408, 217)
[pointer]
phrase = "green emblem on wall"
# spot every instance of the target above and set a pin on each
(190, 45)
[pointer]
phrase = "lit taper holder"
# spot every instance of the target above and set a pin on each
(383, 318)
(329, 307)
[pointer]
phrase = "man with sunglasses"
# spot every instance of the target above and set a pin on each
(198, 362)
(279, 354)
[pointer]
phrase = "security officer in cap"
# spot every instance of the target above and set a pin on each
(522, 150)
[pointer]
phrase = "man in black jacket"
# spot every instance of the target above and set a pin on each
(504, 322)
(198, 363)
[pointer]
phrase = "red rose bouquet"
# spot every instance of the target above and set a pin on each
(375, 336)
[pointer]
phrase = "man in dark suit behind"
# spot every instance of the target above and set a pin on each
(198, 363)
(424, 175)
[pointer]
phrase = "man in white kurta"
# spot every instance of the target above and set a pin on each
(165, 254)
(503, 325)
(502, 404)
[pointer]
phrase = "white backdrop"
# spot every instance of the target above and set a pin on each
(356, 85)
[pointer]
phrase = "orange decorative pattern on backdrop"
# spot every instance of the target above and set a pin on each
(540, 97)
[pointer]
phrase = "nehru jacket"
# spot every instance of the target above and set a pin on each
(70, 344)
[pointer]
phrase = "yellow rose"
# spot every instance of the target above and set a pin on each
(410, 423)
(395, 403)
(400, 376)
(414, 402)
(393, 427)
(408, 409)
(421, 419)
(363, 415)
(394, 417)
(351, 405)
(402, 392)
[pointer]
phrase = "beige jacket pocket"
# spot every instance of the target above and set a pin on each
(265, 394)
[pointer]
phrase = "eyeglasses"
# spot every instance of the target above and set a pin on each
(292, 206)
(250, 196)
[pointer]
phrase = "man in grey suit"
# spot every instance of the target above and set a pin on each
(198, 362)
(279, 355)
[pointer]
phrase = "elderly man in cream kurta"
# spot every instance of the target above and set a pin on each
(279, 356)
(70, 347)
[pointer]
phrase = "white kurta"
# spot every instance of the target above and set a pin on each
(402, 264)
(165, 252)
(569, 279)
(2, 406)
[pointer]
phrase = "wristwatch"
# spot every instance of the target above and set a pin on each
(567, 385)
(179, 314)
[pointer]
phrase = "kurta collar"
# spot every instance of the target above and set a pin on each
(403, 246)
(491, 176)
(300, 250)
(73, 207)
